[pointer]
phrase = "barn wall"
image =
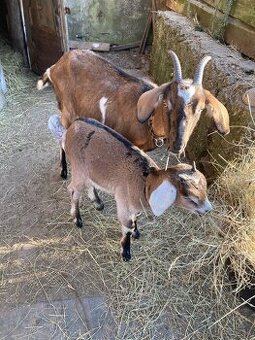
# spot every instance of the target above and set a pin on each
(112, 21)
(231, 21)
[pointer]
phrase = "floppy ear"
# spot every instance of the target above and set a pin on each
(162, 198)
(217, 111)
(148, 101)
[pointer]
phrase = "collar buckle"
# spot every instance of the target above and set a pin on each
(159, 142)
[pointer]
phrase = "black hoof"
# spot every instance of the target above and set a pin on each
(78, 222)
(63, 174)
(136, 234)
(126, 255)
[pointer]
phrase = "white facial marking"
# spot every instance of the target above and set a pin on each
(186, 90)
(162, 198)
(206, 207)
(56, 127)
(102, 106)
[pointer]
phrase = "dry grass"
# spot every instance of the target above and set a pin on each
(235, 192)
(175, 287)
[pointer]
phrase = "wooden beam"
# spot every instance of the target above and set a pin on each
(87, 45)
(125, 47)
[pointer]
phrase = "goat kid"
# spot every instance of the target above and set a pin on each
(102, 159)
(87, 85)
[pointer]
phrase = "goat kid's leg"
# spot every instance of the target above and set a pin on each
(75, 208)
(63, 163)
(136, 232)
(94, 197)
(125, 242)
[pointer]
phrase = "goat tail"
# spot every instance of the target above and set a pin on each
(44, 81)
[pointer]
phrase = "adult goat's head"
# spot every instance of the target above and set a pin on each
(183, 100)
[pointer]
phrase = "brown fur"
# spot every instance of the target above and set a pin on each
(101, 158)
(81, 78)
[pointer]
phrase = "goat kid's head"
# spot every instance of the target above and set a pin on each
(192, 193)
(184, 99)
(181, 185)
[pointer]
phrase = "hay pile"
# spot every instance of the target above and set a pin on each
(235, 192)
(13, 67)
(19, 84)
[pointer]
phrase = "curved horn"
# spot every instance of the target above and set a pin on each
(194, 168)
(198, 77)
(177, 66)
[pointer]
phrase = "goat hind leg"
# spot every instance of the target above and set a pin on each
(94, 197)
(75, 208)
(63, 163)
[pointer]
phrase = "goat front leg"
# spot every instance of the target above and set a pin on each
(136, 232)
(75, 208)
(125, 242)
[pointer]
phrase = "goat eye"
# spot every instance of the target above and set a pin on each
(194, 200)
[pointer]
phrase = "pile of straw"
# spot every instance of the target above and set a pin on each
(235, 193)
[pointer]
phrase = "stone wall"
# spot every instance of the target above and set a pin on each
(227, 76)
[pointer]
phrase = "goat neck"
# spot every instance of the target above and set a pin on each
(159, 124)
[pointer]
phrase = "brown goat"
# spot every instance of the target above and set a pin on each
(100, 158)
(87, 85)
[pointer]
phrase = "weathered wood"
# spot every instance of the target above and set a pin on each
(125, 47)
(86, 45)
(176, 5)
(145, 33)
(243, 10)
(233, 32)
(43, 30)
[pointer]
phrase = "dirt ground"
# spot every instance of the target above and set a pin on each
(59, 282)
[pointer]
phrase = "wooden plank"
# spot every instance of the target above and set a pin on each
(126, 46)
(244, 10)
(87, 45)
(176, 5)
(43, 33)
(236, 33)
(145, 33)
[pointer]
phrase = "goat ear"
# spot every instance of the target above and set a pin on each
(148, 101)
(162, 198)
(217, 111)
